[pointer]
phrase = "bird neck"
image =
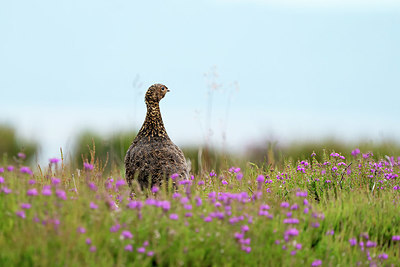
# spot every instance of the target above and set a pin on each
(153, 124)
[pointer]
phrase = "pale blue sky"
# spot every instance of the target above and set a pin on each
(305, 69)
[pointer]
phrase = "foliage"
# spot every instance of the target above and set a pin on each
(10, 144)
(340, 210)
(110, 150)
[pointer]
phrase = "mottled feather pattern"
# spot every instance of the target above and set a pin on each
(153, 157)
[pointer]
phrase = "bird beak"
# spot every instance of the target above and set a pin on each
(168, 90)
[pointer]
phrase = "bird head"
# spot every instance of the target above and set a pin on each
(155, 93)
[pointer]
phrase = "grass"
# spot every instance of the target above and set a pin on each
(304, 213)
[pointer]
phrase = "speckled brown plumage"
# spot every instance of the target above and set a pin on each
(152, 156)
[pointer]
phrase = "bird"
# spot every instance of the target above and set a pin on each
(152, 157)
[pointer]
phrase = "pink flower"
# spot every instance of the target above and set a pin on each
(46, 191)
(88, 166)
(174, 216)
(32, 192)
(6, 190)
(93, 205)
(150, 253)
(141, 250)
(174, 176)
(54, 160)
(26, 170)
(55, 181)
(61, 194)
(21, 214)
(126, 234)
(81, 230)
(26, 205)
(128, 247)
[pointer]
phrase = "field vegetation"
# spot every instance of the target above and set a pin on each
(325, 209)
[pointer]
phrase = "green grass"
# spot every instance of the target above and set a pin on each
(355, 203)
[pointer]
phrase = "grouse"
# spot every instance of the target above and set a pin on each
(153, 157)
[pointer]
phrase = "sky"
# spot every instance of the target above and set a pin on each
(250, 70)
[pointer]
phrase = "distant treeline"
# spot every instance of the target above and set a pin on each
(109, 151)
(11, 145)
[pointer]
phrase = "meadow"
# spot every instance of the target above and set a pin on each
(324, 210)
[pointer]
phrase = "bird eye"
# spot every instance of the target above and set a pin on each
(163, 88)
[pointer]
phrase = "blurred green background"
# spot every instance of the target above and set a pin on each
(110, 150)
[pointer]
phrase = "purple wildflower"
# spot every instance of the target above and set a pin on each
(141, 250)
(198, 201)
(238, 235)
(174, 176)
(330, 232)
(285, 205)
(150, 253)
(88, 166)
(355, 152)
(315, 224)
(93, 249)
(298, 246)
(6, 190)
(1, 169)
(61, 194)
(92, 186)
(301, 193)
(128, 247)
(21, 155)
(245, 228)
(396, 238)
(120, 183)
(292, 232)
(155, 189)
(316, 263)
(165, 205)
(383, 256)
(239, 176)
(81, 230)
(115, 228)
(32, 192)
(88, 241)
(1, 180)
(174, 216)
(31, 181)
(26, 170)
(370, 244)
(293, 252)
(55, 181)
(353, 242)
(46, 191)
(10, 168)
(291, 221)
(54, 160)
(208, 219)
(224, 182)
(212, 173)
(26, 205)
(93, 205)
(201, 182)
(126, 234)
(21, 214)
